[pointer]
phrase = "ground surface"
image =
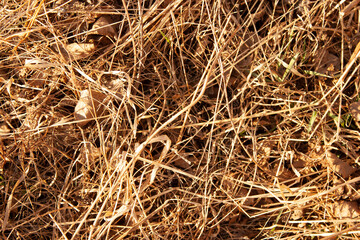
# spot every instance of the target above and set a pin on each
(179, 119)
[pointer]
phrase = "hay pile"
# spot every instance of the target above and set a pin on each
(179, 119)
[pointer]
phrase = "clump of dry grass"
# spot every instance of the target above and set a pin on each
(179, 119)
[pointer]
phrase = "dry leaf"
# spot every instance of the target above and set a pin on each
(281, 171)
(329, 64)
(345, 209)
(248, 42)
(166, 3)
(37, 63)
(89, 153)
(181, 163)
(4, 129)
(299, 165)
(230, 185)
(112, 215)
(38, 76)
(258, 15)
(267, 147)
(297, 213)
(182, 160)
(339, 191)
(338, 166)
(37, 79)
(103, 27)
(31, 120)
(202, 43)
(78, 51)
(354, 196)
(264, 152)
(118, 160)
(90, 105)
(355, 110)
(246, 200)
(117, 85)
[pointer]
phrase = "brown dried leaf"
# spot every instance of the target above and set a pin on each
(4, 129)
(246, 201)
(297, 213)
(338, 166)
(264, 152)
(339, 191)
(355, 110)
(354, 195)
(248, 42)
(36, 63)
(166, 3)
(117, 85)
(299, 164)
(90, 105)
(32, 118)
(316, 154)
(78, 51)
(89, 153)
(329, 63)
(184, 160)
(37, 79)
(202, 43)
(103, 27)
(345, 209)
(267, 148)
(281, 171)
(181, 163)
(230, 185)
(3, 75)
(275, 32)
(258, 15)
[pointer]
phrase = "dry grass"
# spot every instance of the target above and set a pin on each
(208, 119)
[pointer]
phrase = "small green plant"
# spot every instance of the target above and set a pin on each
(164, 36)
(312, 120)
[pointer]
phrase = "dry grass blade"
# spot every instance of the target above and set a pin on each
(179, 119)
(166, 149)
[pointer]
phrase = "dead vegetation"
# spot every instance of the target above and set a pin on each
(179, 119)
